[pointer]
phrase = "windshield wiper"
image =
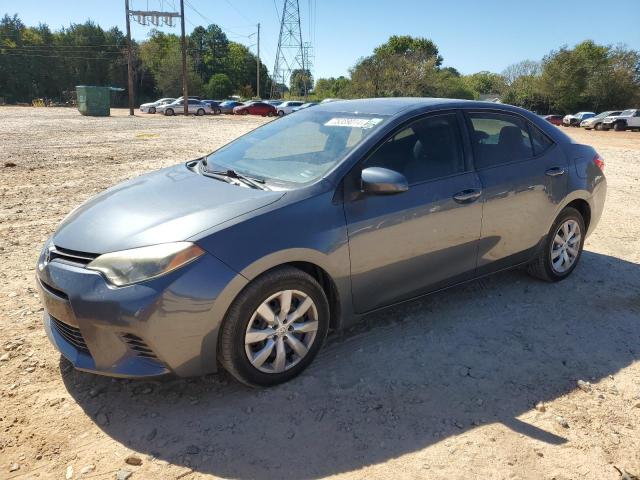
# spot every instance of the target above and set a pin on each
(251, 181)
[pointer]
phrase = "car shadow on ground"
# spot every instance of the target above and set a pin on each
(408, 377)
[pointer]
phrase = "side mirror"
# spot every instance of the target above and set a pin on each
(382, 181)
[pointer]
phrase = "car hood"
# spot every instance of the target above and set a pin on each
(168, 205)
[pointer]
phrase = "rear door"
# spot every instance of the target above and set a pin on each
(524, 178)
(423, 239)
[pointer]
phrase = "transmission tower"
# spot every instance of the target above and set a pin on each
(291, 53)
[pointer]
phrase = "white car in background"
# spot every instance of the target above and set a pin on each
(628, 119)
(152, 106)
(177, 108)
(285, 108)
(575, 120)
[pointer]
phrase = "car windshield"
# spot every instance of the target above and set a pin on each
(298, 149)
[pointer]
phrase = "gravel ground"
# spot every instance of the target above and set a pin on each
(502, 378)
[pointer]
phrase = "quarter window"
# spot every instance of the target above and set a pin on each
(499, 138)
(427, 149)
(541, 143)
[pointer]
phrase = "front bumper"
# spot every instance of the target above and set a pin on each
(168, 324)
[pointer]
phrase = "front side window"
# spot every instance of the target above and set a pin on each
(499, 138)
(298, 149)
(427, 149)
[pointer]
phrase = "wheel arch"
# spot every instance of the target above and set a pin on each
(320, 274)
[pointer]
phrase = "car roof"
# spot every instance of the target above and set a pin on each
(394, 106)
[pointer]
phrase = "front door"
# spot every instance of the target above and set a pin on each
(423, 239)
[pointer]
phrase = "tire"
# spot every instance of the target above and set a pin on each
(598, 127)
(280, 113)
(619, 127)
(542, 266)
(169, 112)
(200, 112)
(152, 110)
(270, 114)
(233, 354)
(218, 112)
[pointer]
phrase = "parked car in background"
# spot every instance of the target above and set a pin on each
(327, 100)
(152, 106)
(215, 106)
(228, 105)
(554, 119)
(246, 257)
(255, 108)
(275, 103)
(285, 108)
(177, 108)
(303, 106)
(574, 120)
(596, 122)
(627, 120)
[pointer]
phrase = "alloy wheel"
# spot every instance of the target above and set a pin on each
(566, 246)
(281, 331)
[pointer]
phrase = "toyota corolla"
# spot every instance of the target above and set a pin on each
(247, 257)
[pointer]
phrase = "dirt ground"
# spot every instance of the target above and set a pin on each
(503, 378)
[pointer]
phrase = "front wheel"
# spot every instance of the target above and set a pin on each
(152, 110)
(598, 126)
(562, 248)
(274, 328)
(280, 113)
(200, 112)
(169, 112)
(619, 126)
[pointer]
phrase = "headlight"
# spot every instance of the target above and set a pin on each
(139, 264)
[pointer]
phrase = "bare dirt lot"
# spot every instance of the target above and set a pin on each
(503, 378)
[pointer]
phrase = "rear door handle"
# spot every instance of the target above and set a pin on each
(467, 196)
(555, 172)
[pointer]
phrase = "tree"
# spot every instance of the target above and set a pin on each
(301, 82)
(408, 46)
(485, 82)
(219, 86)
(332, 87)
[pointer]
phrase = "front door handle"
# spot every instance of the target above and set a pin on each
(467, 196)
(555, 172)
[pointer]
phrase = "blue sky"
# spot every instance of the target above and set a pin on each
(471, 35)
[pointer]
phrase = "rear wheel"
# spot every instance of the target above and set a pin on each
(275, 328)
(562, 248)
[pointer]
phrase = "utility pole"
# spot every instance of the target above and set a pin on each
(129, 58)
(145, 17)
(185, 93)
(258, 66)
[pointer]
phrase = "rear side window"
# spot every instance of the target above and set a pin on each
(499, 138)
(541, 143)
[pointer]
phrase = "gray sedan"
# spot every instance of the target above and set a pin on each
(247, 257)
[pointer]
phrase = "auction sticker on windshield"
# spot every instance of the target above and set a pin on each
(353, 122)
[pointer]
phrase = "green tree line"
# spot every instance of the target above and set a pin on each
(586, 77)
(36, 62)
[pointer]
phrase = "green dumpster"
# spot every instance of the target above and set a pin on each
(94, 101)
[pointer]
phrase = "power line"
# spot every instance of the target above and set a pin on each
(54, 56)
(207, 19)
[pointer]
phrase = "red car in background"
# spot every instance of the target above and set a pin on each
(555, 119)
(255, 108)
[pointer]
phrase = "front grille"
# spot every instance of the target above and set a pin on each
(137, 346)
(71, 256)
(70, 334)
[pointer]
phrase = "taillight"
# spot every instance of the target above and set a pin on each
(599, 162)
